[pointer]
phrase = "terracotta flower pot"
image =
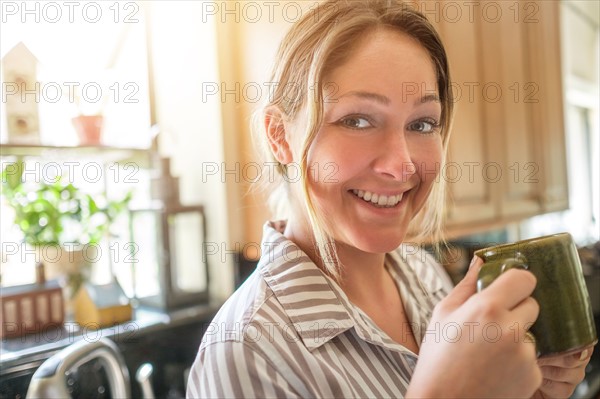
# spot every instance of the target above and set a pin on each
(89, 128)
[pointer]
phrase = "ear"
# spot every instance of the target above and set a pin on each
(276, 134)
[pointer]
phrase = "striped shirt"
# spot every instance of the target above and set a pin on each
(291, 331)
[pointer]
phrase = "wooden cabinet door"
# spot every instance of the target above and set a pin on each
(470, 200)
(506, 91)
(547, 114)
(506, 156)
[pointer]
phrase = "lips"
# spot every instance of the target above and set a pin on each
(381, 200)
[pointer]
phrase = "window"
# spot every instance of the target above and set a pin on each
(91, 60)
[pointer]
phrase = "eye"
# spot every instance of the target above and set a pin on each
(424, 126)
(355, 122)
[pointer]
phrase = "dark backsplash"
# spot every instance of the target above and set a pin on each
(457, 255)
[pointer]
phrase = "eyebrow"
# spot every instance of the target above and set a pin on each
(369, 96)
(428, 98)
(385, 100)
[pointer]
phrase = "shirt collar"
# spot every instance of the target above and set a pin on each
(403, 263)
(317, 306)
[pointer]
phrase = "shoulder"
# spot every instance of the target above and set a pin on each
(245, 349)
(251, 309)
(238, 369)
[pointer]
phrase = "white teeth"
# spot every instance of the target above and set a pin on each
(379, 200)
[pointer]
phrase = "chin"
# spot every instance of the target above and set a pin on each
(379, 244)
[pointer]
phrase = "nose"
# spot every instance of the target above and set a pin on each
(394, 157)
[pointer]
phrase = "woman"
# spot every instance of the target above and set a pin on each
(337, 307)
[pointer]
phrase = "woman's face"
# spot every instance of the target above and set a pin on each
(377, 154)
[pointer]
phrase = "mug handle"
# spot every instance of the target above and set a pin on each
(492, 269)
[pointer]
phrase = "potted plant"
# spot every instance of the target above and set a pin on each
(88, 128)
(60, 221)
(89, 119)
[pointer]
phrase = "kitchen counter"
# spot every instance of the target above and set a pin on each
(161, 338)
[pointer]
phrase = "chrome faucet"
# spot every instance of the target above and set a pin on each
(143, 374)
(49, 379)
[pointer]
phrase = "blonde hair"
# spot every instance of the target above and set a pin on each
(316, 44)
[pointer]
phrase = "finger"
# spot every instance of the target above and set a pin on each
(526, 313)
(560, 374)
(511, 288)
(556, 389)
(467, 286)
(587, 353)
(568, 361)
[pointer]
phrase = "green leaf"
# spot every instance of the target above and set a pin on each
(42, 210)
(11, 176)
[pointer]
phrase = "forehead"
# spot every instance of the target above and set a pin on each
(386, 61)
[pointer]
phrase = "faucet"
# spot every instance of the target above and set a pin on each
(49, 379)
(143, 374)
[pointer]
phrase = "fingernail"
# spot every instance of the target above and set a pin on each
(473, 261)
(584, 354)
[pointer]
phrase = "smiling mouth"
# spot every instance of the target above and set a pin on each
(381, 201)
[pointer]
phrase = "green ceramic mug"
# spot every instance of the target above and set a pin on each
(566, 321)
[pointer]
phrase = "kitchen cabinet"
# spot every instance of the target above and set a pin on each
(507, 157)
(548, 113)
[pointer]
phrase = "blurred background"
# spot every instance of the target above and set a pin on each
(126, 144)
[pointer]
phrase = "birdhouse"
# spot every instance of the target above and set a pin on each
(21, 95)
(97, 306)
(30, 308)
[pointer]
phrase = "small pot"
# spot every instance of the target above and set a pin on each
(88, 128)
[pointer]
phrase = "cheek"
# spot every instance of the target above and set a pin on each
(325, 177)
(428, 159)
(332, 162)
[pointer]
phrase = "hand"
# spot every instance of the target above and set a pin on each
(562, 374)
(489, 356)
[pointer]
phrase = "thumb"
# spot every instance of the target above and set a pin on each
(467, 286)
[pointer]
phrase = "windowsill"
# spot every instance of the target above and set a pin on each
(139, 156)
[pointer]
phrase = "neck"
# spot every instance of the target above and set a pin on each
(361, 273)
